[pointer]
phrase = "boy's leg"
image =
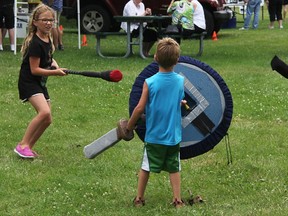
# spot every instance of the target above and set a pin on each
(280, 23)
(55, 31)
(175, 181)
(55, 37)
(60, 33)
(60, 40)
(2, 36)
(39, 123)
(1, 40)
(142, 182)
(11, 38)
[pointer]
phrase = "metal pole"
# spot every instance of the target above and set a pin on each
(15, 27)
(78, 19)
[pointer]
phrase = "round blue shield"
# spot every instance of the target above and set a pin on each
(207, 120)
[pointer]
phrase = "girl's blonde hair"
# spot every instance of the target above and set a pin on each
(41, 8)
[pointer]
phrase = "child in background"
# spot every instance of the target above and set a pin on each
(161, 98)
(57, 6)
(188, 16)
(37, 51)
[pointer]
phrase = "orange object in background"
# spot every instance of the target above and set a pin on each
(214, 36)
(61, 29)
(84, 41)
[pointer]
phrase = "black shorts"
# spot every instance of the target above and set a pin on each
(26, 90)
(7, 14)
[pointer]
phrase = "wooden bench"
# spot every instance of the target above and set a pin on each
(197, 36)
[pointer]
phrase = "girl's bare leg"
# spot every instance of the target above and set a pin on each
(39, 123)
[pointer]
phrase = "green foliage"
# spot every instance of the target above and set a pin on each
(62, 182)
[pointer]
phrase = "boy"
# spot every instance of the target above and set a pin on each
(161, 98)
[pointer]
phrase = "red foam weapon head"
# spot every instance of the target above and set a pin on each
(115, 76)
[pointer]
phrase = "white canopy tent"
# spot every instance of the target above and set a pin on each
(16, 20)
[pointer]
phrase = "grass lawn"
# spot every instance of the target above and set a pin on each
(63, 182)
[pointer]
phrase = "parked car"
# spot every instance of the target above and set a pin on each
(97, 15)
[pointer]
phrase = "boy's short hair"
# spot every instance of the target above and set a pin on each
(167, 52)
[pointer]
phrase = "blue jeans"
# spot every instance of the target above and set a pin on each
(253, 6)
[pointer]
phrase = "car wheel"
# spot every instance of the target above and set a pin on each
(209, 22)
(94, 18)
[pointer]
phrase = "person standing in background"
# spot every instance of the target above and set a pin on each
(57, 6)
(253, 6)
(275, 12)
(7, 16)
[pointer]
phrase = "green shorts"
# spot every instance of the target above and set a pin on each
(161, 157)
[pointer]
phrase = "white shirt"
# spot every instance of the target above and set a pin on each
(198, 16)
(131, 9)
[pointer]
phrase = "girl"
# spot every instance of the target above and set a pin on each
(37, 50)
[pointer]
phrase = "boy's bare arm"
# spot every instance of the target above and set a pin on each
(139, 109)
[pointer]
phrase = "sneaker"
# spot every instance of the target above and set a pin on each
(271, 27)
(24, 153)
(12, 47)
(281, 27)
(139, 202)
(243, 28)
(178, 204)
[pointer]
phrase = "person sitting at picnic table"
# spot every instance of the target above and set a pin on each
(137, 8)
(188, 15)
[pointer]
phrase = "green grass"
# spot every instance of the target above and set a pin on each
(63, 182)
